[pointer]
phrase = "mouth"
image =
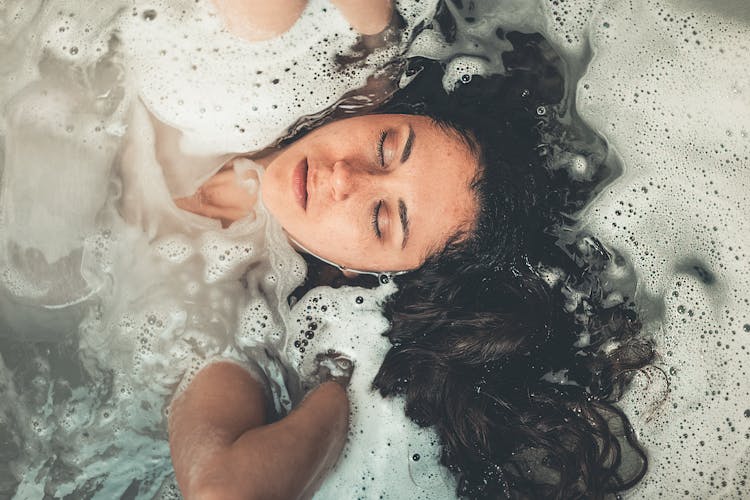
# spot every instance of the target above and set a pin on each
(299, 183)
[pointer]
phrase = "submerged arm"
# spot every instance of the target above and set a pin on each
(222, 447)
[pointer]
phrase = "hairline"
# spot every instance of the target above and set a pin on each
(462, 234)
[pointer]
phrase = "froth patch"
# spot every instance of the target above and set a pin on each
(227, 94)
(386, 455)
(677, 213)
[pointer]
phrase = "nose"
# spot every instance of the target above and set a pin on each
(344, 180)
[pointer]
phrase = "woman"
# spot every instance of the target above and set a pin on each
(388, 189)
(478, 325)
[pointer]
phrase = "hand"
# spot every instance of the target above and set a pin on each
(332, 366)
(223, 196)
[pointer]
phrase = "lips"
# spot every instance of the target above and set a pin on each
(299, 183)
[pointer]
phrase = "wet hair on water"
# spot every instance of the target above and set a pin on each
(519, 379)
(518, 373)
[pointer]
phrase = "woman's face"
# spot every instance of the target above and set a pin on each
(376, 192)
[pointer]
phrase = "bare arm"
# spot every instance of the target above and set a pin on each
(221, 447)
(366, 16)
(260, 19)
(256, 20)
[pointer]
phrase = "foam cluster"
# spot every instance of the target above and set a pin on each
(226, 94)
(665, 87)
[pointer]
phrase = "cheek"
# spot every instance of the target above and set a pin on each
(328, 232)
(272, 198)
(334, 238)
(266, 196)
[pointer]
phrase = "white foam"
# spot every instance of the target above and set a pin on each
(663, 89)
(382, 444)
(230, 95)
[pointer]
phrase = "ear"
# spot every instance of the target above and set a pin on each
(349, 274)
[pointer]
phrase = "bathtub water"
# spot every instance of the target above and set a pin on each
(102, 319)
(666, 84)
(667, 87)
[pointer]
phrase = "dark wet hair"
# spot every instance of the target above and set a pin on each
(501, 341)
(490, 346)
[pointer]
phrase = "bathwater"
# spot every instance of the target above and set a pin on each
(111, 298)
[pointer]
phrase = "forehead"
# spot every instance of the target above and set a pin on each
(444, 168)
(438, 177)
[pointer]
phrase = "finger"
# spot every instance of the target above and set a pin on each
(222, 177)
(198, 206)
(368, 17)
(227, 196)
(189, 203)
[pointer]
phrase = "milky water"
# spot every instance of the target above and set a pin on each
(111, 298)
(668, 89)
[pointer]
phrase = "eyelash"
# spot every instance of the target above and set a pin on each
(379, 204)
(375, 213)
(381, 143)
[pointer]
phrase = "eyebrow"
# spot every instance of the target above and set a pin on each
(404, 216)
(408, 146)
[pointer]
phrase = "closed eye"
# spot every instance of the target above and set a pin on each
(381, 144)
(375, 216)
